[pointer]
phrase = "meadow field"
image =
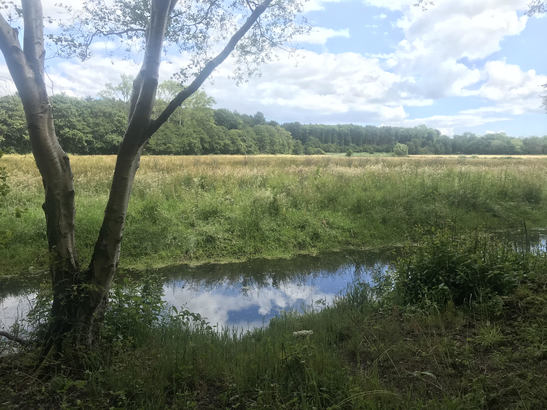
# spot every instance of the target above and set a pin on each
(187, 209)
(459, 321)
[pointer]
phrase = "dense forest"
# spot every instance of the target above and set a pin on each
(96, 126)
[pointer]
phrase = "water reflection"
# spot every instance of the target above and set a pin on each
(250, 299)
(13, 308)
(246, 295)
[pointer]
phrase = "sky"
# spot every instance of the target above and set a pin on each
(456, 65)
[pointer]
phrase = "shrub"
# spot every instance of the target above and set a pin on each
(4, 188)
(5, 235)
(349, 153)
(447, 267)
(314, 151)
(401, 150)
(133, 308)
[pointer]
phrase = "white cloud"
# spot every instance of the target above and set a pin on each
(442, 55)
(437, 40)
(318, 5)
(326, 83)
(104, 46)
(57, 11)
(465, 28)
(320, 35)
(217, 304)
(390, 4)
(509, 85)
(448, 123)
(88, 78)
(7, 86)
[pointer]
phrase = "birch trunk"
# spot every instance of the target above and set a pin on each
(80, 296)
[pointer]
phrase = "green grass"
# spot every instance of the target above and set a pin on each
(222, 208)
(367, 351)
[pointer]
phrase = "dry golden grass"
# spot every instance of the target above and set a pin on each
(99, 168)
(480, 156)
(93, 174)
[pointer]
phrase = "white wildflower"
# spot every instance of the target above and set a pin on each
(302, 333)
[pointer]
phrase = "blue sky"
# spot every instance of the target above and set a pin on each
(459, 65)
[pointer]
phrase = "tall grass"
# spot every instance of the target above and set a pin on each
(366, 351)
(219, 208)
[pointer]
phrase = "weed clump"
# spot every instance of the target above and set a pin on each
(459, 269)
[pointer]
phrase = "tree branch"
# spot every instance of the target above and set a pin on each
(14, 338)
(8, 35)
(9, 41)
(202, 19)
(98, 32)
(207, 70)
(15, 58)
(33, 41)
(146, 83)
(536, 7)
(107, 248)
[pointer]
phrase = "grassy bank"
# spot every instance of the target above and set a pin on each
(219, 208)
(406, 343)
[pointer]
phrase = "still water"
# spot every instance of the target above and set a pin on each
(248, 295)
(244, 295)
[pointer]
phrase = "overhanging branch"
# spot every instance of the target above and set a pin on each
(8, 38)
(13, 54)
(207, 70)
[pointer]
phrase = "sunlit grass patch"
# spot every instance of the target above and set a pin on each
(218, 208)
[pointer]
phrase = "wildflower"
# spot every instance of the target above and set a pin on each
(302, 333)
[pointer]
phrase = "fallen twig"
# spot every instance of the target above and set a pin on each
(14, 338)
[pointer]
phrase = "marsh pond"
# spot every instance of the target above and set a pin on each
(248, 295)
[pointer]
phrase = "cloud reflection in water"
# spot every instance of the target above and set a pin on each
(246, 304)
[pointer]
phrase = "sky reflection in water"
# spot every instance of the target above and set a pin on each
(246, 304)
(249, 295)
(245, 295)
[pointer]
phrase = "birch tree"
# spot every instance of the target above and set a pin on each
(208, 31)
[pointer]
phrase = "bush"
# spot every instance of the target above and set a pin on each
(4, 188)
(133, 308)
(349, 153)
(461, 269)
(314, 151)
(401, 150)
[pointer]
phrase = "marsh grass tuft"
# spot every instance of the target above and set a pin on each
(448, 268)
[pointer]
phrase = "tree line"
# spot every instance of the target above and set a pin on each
(96, 126)
(419, 140)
